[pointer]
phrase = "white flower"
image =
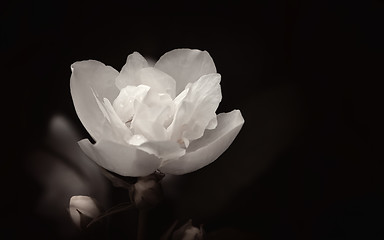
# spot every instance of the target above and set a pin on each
(147, 118)
(82, 210)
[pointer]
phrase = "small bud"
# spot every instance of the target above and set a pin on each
(188, 232)
(82, 210)
(147, 192)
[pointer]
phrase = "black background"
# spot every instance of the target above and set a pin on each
(305, 74)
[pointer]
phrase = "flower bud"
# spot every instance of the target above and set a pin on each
(147, 192)
(82, 210)
(188, 232)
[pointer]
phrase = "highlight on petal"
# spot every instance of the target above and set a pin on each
(127, 76)
(207, 149)
(125, 160)
(90, 78)
(186, 66)
(196, 109)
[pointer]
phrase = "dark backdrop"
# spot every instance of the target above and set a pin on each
(305, 74)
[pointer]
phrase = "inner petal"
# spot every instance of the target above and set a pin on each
(196, 109)
(127, 75)
(124, 103)
(152, 116)
(117, 130)
(157, 80)
(186, 66)
(117, 125)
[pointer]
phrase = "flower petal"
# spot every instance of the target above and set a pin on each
(86, 205)
(186, 66)
(162, 149)
(157, 80)
(125, 160)
(127, 75)
(195, 111)
(152, 116)
(122, 132)
(124, 103)
(108, 130)
(91, 78)
(207, 149)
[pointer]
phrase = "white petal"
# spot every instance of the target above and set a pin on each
(212, 124)
(86, 205)
(207, 149)
(152, 116)
(157, 80)
(124, 103)
(125, 160)
(150, 129)
(162, 149)
(196, 110)
(110, 125)
(127, 75)
(186, 66)
(121, 130)
(89, 78)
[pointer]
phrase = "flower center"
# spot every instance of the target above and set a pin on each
(145, 111)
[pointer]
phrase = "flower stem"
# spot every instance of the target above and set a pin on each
(141, 227)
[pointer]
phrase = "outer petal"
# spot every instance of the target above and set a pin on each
(207, 149)
(186, 66)
(90, 78)
(122, 159)
(162, 149)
